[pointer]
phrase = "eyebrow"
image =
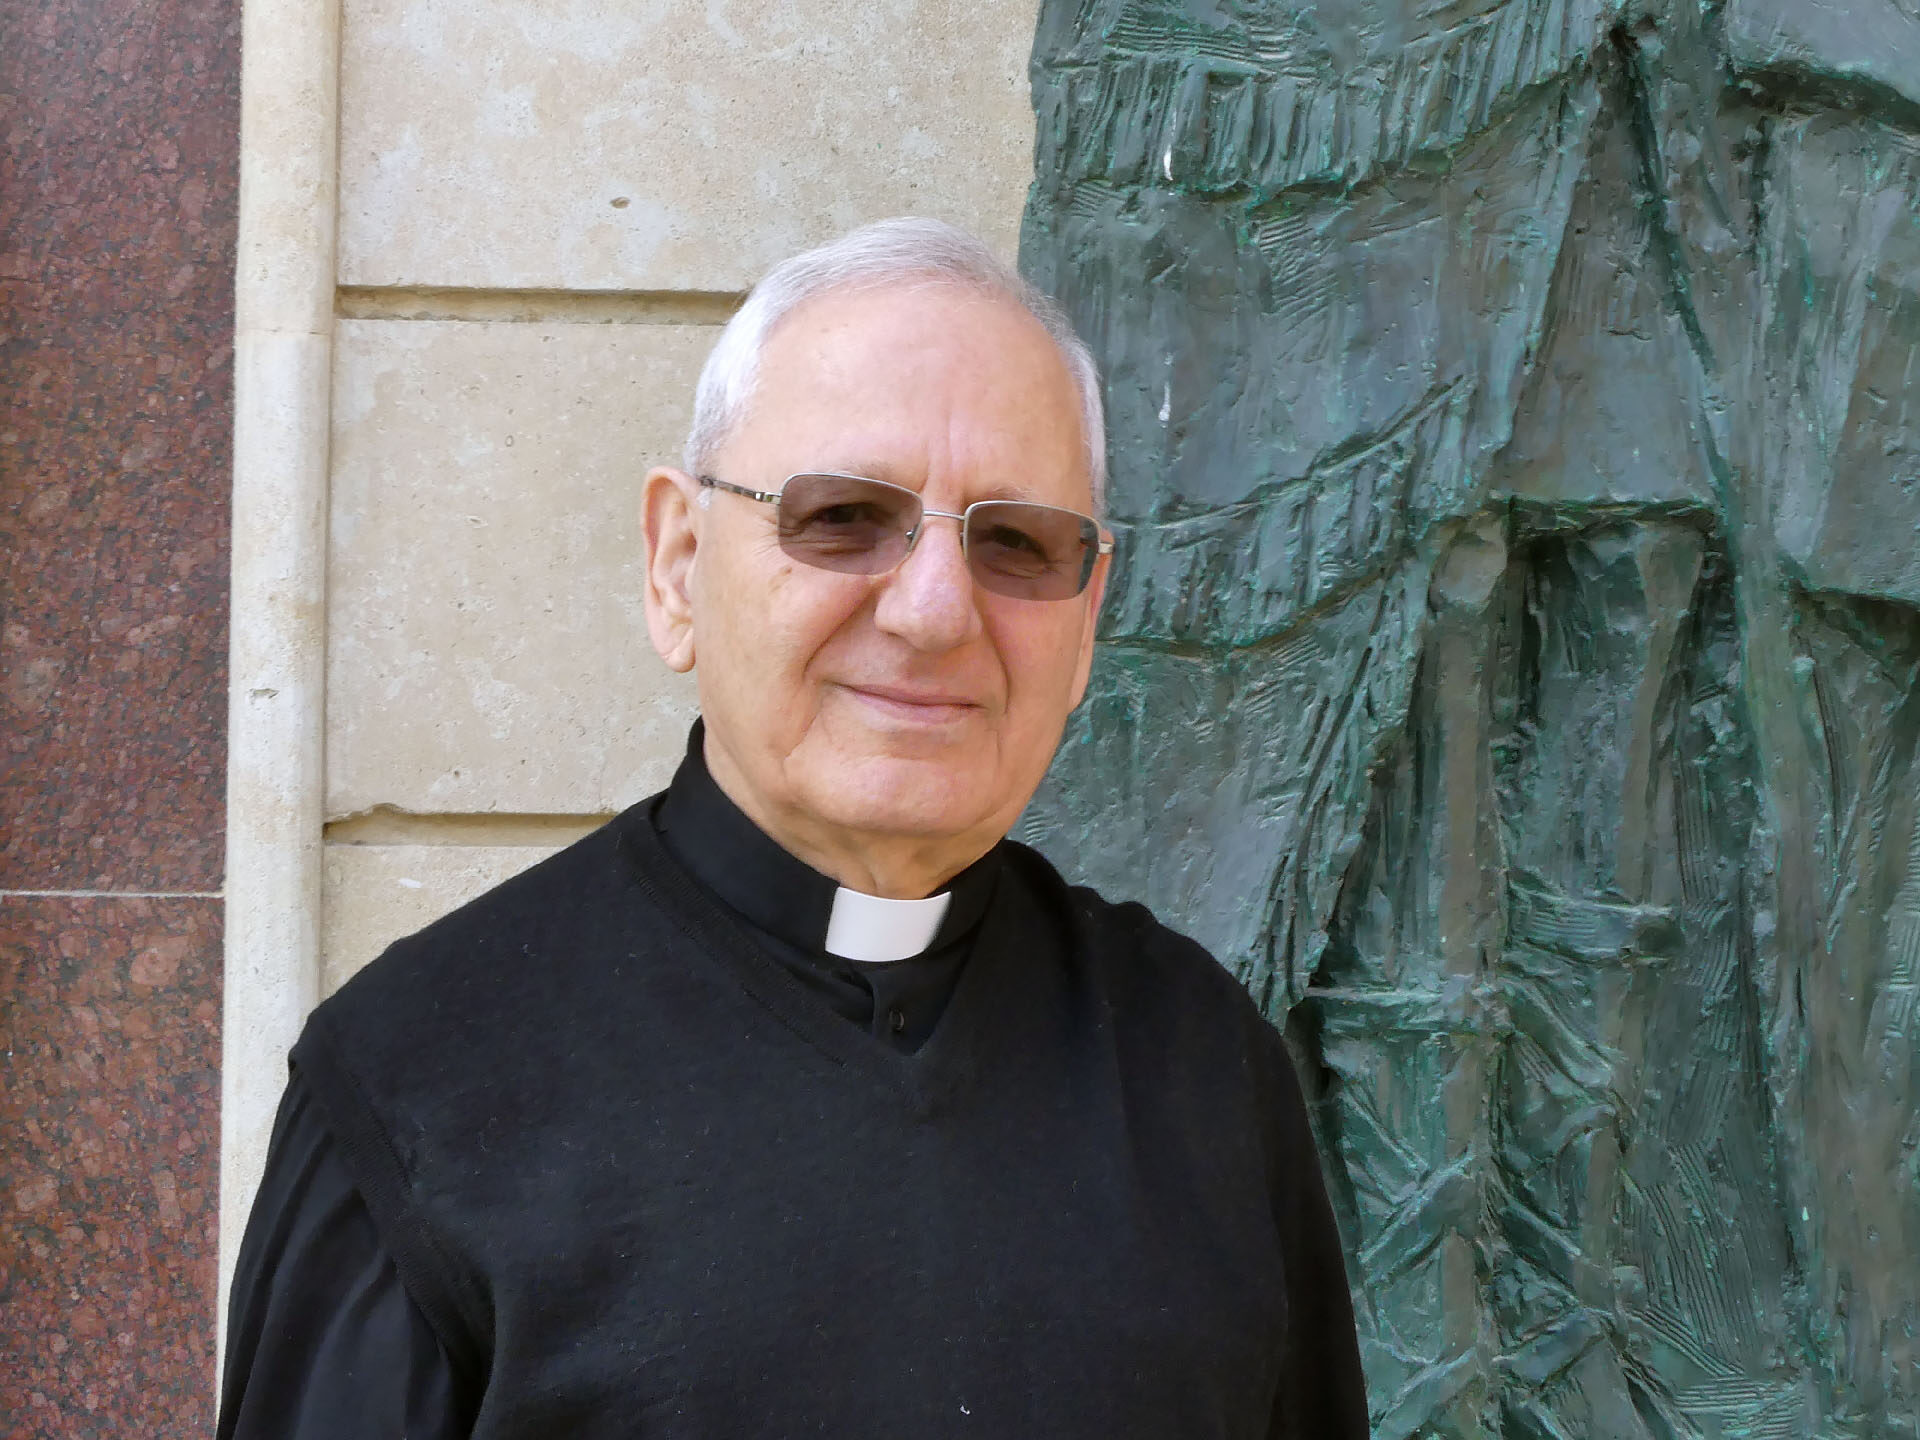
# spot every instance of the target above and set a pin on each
(880, 470)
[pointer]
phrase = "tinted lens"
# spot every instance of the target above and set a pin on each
(1030, 552)
(846, 523)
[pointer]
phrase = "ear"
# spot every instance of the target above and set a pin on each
(669, 516)
(1096, 592)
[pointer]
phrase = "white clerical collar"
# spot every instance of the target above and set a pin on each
(866, 927)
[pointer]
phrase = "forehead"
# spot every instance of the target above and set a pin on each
(930, 380)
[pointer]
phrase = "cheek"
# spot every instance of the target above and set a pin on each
(786, 620)
(1041, 656)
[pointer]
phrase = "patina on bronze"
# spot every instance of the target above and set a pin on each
(1513, 660)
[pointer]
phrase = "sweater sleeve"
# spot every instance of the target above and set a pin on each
(1322, 1393)
(323, 1340)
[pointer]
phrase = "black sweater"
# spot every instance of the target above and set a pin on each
(641, 1180)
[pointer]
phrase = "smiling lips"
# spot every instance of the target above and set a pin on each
(905, 703)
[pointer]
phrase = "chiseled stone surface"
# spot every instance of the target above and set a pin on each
(654, 147)
(374, 894)
(487, 639)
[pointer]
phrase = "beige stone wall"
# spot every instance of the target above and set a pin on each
(544, 210)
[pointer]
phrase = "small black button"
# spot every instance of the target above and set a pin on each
(897, 1020)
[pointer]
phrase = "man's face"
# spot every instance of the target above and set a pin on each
(912, 704)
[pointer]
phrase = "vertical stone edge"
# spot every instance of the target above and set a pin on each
(283, 344)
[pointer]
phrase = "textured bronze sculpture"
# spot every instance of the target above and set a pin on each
(1514, 665)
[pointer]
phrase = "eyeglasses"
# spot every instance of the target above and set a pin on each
(858, 526)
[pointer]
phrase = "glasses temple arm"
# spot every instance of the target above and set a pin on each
(770, 497)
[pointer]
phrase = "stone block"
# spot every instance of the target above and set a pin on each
(667, 147)
(487, 647)
(374, 894)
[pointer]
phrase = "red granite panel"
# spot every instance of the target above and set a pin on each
(117, 194)
(109, 1155)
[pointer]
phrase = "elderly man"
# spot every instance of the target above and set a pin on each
(798, 1100)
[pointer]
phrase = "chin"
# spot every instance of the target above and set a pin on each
(918, 795)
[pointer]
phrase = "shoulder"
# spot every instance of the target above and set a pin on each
(528, 905)
(491, 1016)
(505, 959)
(1174, 1013)
(1147, 967)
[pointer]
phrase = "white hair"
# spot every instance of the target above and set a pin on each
(883, 253)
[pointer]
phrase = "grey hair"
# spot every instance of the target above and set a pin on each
(883, 253)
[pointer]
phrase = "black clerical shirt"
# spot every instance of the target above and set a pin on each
(788, 904)
(328, 1340)
(323, 1341)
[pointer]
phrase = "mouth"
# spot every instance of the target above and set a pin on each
(913, 705)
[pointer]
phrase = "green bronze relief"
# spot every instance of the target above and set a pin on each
(1512, 667)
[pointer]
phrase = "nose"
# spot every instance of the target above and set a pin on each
(929, 600)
